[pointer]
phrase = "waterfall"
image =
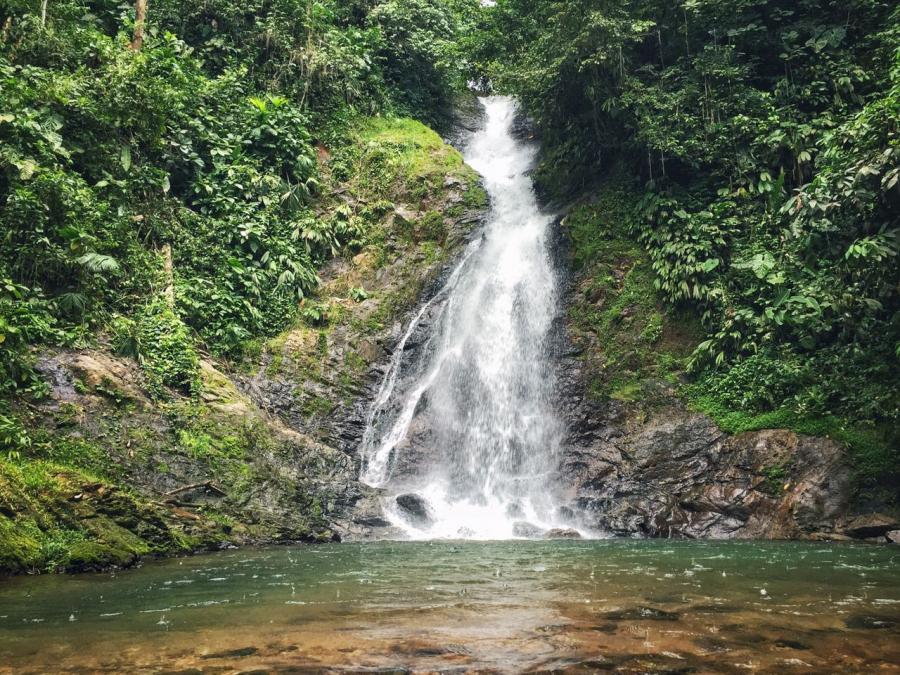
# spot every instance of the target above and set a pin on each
(475, 402)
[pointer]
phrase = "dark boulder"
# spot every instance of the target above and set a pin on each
(415, 509)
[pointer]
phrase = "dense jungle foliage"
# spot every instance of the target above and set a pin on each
(159, 180)
(163, 195)
(761, 139)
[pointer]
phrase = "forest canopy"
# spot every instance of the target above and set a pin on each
(756, 140)
(759, 140)
(197, 143)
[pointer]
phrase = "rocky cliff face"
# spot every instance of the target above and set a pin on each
(670, 472)
(639, 462)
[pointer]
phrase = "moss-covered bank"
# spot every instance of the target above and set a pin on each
(116, 459)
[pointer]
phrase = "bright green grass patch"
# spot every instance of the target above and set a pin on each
(415, 148)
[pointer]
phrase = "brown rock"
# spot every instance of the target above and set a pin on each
(871, 525)
(829, 536)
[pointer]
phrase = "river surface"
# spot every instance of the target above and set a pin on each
(575, 606)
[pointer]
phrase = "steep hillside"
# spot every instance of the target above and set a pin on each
(256, 451)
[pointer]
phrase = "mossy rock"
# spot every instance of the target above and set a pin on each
(20, 550)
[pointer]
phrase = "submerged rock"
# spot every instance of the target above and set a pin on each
(641, 614)
(792, 644)
(526, 529)
(233, 653)
(415, 509)
(869, 622)
(562, 533)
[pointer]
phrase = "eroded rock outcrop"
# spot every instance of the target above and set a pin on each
(639, 462)
(673, 473)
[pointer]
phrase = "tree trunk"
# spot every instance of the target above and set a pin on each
(168, 269)
(44, 13)
(140, 17)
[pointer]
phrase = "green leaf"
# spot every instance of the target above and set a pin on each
(125, 157)
(710, 264)
(97, 262)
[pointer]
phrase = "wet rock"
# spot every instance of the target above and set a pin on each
(515, 510)
(893, 536)
(565, 513)
(671, 473)
(523, 127)
(712, 645)
(528, 530)
(792, 644)
(871, 622)
(562, 533)
(233, 653)
(642, 614)
(368, 512)
(716, 609)
(415, 509)
(658, 664)
(829, 536)
(871, 525)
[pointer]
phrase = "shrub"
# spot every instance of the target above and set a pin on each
(166, 351)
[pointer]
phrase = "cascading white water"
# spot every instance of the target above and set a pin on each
(483, 383)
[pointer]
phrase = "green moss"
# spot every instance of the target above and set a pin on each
(200, 445)
(775, 478)
(76, 452)
(66, 519)
(415, 149)
(355, 362)
(476, 197)
(432, 226)
(20, 548)
(636, 338)
(317, 406)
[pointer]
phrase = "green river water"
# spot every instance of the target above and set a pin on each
(512, 606)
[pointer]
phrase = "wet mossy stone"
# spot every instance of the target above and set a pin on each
(642, 614)
(871, 622)
(562, 533)
(233, 653)
(792, 644)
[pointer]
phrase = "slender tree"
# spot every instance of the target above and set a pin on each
(140, 17)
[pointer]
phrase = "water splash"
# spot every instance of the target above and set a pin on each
(482, 385)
